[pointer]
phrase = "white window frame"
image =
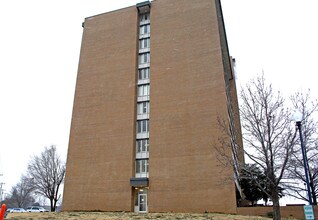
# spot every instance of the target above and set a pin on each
(144, 17)
(144, 73)
(144, 58)
(144, 29)
(144, 43)
(142, 146)
(143, 90)
(143, 108)
(142, 166)
(142, 126)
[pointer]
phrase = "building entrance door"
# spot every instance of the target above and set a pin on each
(142, 203)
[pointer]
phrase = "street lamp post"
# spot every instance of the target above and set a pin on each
(298, 118)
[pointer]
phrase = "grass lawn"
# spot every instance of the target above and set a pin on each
(127, 215)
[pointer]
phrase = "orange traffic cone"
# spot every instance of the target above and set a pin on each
(3, 211)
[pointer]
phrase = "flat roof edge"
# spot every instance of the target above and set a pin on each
(145, 3)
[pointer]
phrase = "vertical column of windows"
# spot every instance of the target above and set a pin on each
(143, 101)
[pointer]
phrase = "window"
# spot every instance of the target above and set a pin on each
(144, 58)
(142, 166)
(144, 17)
(144, 29)
(143, 73)
(142, 126)
(144, 43)
(143, 90)
(142, 145)
(143, 108)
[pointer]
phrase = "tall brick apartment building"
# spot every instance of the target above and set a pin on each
(152, 81)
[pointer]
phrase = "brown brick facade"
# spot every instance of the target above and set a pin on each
(187, 94)
(100, 155)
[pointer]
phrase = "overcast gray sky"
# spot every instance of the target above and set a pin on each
(39, 52)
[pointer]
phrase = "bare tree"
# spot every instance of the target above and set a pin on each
(47, 172)
(308, 107)
(21, 194)
(268, 134)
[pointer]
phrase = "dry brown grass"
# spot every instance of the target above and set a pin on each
(126, 216)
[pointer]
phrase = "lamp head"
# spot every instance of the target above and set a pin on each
(297, 117)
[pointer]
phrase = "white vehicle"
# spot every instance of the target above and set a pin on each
(17, 210)
(35, 209)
